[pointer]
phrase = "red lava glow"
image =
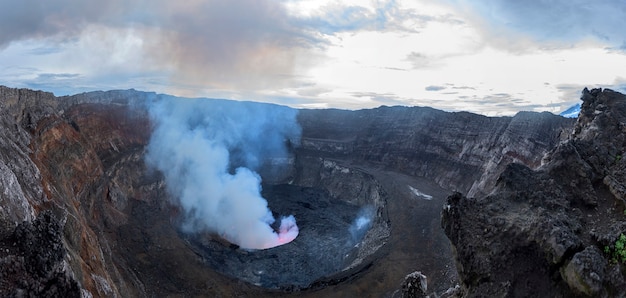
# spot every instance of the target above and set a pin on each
(287, 232)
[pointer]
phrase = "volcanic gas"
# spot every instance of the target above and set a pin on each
(208, 150)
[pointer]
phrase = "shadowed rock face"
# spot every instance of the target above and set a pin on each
(550, 231)
(82, 158)
(459, 151)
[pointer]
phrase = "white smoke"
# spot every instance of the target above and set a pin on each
(208, 150)
(361, 223)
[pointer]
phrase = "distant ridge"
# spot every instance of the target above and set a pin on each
(571, 112)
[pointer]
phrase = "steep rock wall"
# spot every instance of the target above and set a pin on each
(553, 231)
(21, 190)
(460, 151)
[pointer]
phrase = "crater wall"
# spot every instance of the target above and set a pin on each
(81, 158)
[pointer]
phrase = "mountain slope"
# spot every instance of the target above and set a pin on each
(571, 112)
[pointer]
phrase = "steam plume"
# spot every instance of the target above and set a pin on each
(208, 151)
(361, 223)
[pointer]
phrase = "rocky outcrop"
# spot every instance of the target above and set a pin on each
(26, 107)
(415, 285)
(32, 262)
(550, 231)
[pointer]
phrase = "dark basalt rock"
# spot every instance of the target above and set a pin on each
(541, 232)
(585, 272)
(415, 285)
(32, 261)
(40, 243)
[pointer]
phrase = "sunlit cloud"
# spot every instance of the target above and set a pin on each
(493, 59)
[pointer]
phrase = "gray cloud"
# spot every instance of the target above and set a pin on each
(221, 44)
(419, 60)
(619, 84)
(313, 91)
(45, 50)
(566, 21)
(424, 61)
(388, 99)
(463, 88)
(434, 88)
(57, 76)
(338, 18)
(570, 91)
(60, 19)
(387, 15)
(250, 43)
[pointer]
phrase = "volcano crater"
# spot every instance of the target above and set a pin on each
(338, 238)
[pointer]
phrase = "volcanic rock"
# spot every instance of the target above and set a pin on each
(585, 272)
(415, 285)
(33, 265)
(542, 232)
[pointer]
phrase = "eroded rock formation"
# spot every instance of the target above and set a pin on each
(550, 231)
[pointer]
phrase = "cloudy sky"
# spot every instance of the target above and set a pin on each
(494, 58)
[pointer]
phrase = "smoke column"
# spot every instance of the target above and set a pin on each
(208, 150)
(361, 223)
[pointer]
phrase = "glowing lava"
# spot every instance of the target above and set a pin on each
(265, 237)
(287, 232)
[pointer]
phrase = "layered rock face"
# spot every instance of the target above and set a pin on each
(460, 151)
(73, 182)
(552, 231)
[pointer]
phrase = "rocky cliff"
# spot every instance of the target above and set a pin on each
(460, 151)
(81, 215)
(553, 231)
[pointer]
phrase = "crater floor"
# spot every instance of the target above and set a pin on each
(327, 243)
